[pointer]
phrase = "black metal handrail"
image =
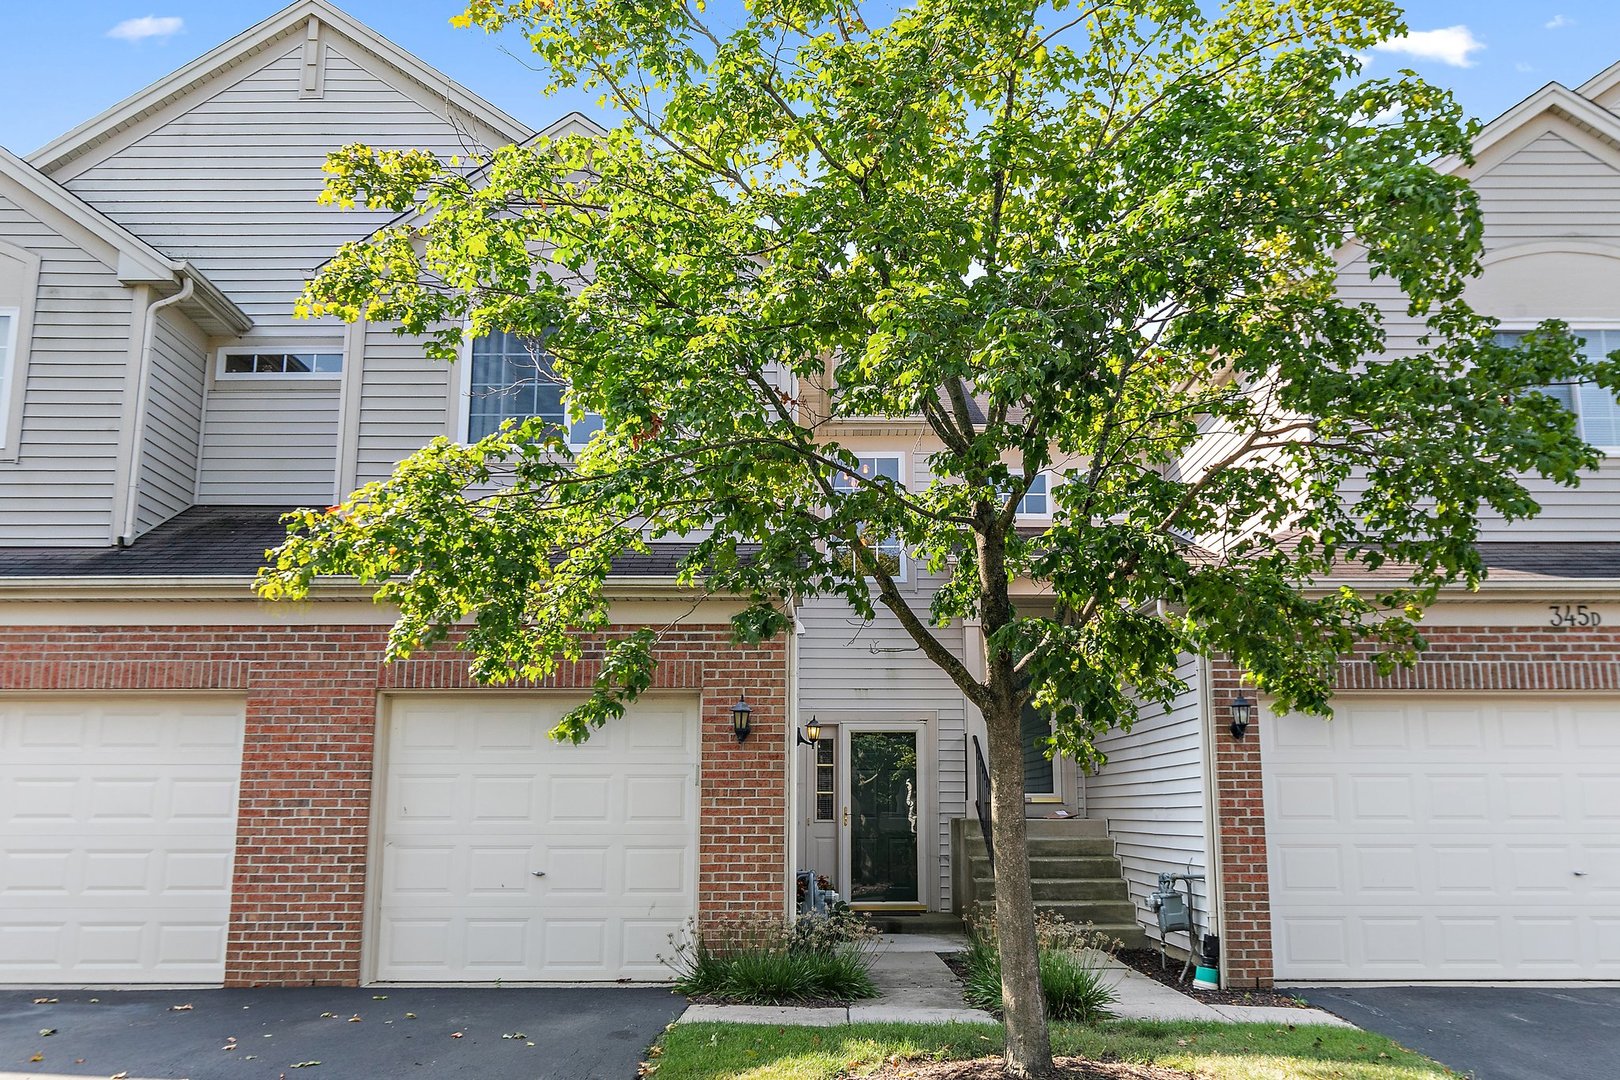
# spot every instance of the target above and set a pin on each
(982, 802)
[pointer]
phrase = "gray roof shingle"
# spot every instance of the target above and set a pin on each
(227, 541)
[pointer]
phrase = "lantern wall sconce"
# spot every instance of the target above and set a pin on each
(741, 714)
(1242, 709)
(810, 734)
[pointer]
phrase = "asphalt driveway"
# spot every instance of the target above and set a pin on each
(533, 1034)
(1491, 1033)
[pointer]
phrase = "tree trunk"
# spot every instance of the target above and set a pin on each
(1029, 1045)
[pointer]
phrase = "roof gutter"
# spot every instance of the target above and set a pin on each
(1489, 589)
(240, 587)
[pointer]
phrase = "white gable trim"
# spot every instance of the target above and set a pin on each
(1564, 103)
(291, 24)
(132, 259)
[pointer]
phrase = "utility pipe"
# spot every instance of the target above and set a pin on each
(126, 535)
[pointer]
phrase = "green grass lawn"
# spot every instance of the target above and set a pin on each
(1213, 1051)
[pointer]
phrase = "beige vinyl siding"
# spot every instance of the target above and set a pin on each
(172, 445)
(851, 668)
(1548, 191)
(269, 443)
(60, 489)
(232, 182)
(1151, 793)
(404, 402)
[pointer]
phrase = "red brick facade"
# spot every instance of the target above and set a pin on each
(312, 708)
(1506, 659)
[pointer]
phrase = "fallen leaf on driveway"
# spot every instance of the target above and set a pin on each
(410, 1016)
(455, 1034)
(515, 1035)
(46, 1001)
(37, 1057)
(121, 1076)
(180, 1008)
(379, 997)
(355, 1019)
(305, 1064)
(46, 1033)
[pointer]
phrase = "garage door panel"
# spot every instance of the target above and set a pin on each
(1482, 848)
(117, 837)
(478, 800)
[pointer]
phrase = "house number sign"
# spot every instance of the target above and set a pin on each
(1574, 615)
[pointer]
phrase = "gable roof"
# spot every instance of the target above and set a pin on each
(290, 20)
(1553, 98)
(135, 261)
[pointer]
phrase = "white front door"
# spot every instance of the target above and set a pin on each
(117, 836)
(1440, 837)
(508, 856)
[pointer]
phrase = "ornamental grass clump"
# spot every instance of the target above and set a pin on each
(763, 962)
(1075, 980)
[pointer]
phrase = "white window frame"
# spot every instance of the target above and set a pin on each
(902, 472)
(221, 375)
(1046, 477)
(1611, 325)
(10, 380)
(462, 410)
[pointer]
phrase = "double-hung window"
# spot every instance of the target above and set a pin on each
(512, 379)
(890, 551)
(1596, 412)
(1037, 501)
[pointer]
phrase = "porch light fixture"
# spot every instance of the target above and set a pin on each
(811, 733)
(740, 714)
(1242, 708)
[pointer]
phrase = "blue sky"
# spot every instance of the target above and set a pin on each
(67, 61)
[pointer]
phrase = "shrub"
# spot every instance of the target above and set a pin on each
(767, 963)
(1075, 980)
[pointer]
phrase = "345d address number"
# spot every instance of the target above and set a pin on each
(1574, 615)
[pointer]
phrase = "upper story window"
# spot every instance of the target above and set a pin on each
(1596, 412)
(890, 551)
(512, 379)
(1037, 501)
(279, 364)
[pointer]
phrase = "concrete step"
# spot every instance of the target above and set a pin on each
(1062, 888)
(1097, 912)
(1054, 845)
(1054, 867)
(915, 922)
(1129, 935)
(1064, 827)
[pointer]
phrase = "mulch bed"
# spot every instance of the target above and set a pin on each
(1067, 1068)
(1146, 961)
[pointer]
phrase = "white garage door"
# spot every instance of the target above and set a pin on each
(1446, 837)
(117, 828)
(479, 804)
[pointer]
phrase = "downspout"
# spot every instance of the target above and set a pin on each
(1215, 877)
(143, 383)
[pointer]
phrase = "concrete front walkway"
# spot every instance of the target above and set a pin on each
(915, 986)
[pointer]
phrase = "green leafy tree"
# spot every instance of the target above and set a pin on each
(1097, 240)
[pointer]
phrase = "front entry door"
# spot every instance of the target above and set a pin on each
(883, 816)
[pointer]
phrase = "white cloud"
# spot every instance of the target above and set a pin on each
(150, 26)
(1454, 45)
(1523, 68)
(1558, 22)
